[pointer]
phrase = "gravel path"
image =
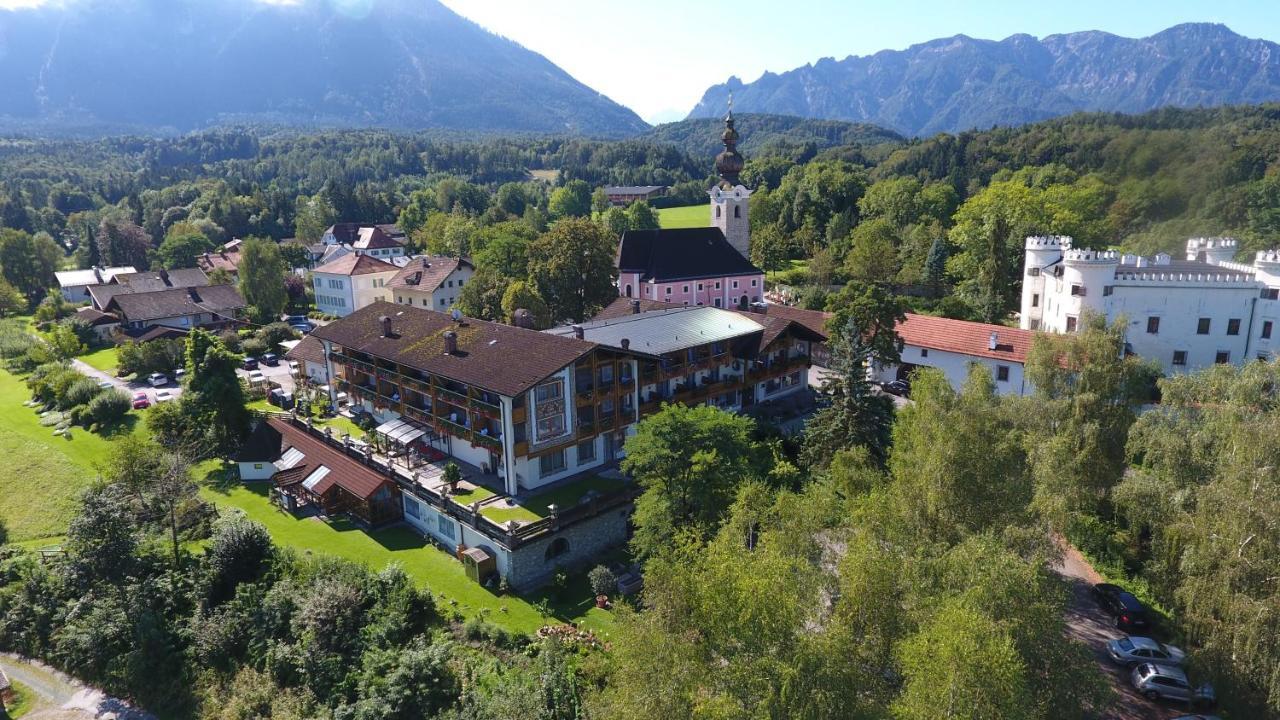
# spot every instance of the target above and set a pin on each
(62, 697)
(1089, 624)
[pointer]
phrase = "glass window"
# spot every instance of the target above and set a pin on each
(1222, 358)
(549, 410)
(445, 526)
(1266, 329)
(1179, 357)
(411, 507)
(551, 463)
(1271, 294)
(924, 352)
(1233, 326)
(587, 451)
(1002, 373)
(1071, 324)
(1202, 327)
(1153, 325)
(1035, 299)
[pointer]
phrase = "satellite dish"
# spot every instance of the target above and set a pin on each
(456, 314)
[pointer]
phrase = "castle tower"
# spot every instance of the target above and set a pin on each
(1214, 251)
(730, 198)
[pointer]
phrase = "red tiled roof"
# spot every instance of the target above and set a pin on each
(815, 320)
(356, 264)
(966, 338)
(344, 471)
(228, 260)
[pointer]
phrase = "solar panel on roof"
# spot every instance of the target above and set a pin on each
(291, 457)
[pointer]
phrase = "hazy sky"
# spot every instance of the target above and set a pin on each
(658, 56)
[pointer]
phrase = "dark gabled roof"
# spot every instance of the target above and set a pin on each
(308, 349)
(372, 238)
(143, 306)
(354, 263)
(102, 294)
(427, 273)
(814, 320)
(162, 279)
(94, 318)
(154, 332)
(275, 435)
(500, 358)
(681, 254)
(623, 306)
(633, 189)
(348, 233)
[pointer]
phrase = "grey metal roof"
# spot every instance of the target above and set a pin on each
(663, 331)
(633, 189)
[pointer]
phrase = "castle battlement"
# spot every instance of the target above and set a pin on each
(1166, 277)
(1267, 257)
(1202, 243)
(1092, 257)
(1048, 242)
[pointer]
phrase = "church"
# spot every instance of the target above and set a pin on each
(699, 266)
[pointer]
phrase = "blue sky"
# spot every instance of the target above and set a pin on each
(658, 56)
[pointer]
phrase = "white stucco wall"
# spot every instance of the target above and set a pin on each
(955, 366)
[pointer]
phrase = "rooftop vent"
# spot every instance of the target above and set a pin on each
(993, 341)
(385, 322)
(579, 333)
(522, 318)
(626, 343)
(450, 343)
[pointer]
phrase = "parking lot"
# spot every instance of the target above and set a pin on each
(1089, 624)
(132, 387)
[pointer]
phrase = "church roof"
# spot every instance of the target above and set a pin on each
(681, 254)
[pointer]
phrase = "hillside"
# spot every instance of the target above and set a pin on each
(765, 134)
(958, 83)
(405, 64)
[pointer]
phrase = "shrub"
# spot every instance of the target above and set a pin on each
(603, 581)
(109, 407)
(559, 583)
(231, 339)
(253, 346)
(80, 392)
(276, 333)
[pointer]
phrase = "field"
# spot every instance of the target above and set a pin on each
(685, 217)
(44, 474)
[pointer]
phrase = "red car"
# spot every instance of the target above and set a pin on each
(140, 401)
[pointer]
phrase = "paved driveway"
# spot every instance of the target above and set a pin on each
(63, 698)
(129, 386)
(1090, 625)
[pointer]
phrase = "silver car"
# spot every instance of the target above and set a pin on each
(1167, 682)
(1133, 650)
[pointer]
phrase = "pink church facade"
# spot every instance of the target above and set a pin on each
(723, 292)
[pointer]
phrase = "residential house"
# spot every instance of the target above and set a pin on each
(306, 470)
(224, 259)
(431, 282)
(74, 284)
(625, 195)
(214, 306)
(309, 354)
(351, 282)
(955, 346)
(1187, 314)
(383, 241)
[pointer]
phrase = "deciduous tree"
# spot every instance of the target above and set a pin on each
(572, 265)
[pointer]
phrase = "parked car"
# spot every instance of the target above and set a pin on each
(141, 401)
(165, 396)
(256, 377)
(898, 387)
(157, 379)
(249, 363)
(281, 398)
(304, 328)
(106, 384)
(1166, 682)
(179, 374)
(1129, 612)
(1133, 650)
(271, 359)
(294, 367)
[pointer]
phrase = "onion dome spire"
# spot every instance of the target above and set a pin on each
(729, 162)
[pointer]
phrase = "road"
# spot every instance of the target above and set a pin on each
(63, 698)
(1088, 623)
(130, 387)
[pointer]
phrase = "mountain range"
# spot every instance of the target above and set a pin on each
(959, 83)
(700, 137)
(186, 64)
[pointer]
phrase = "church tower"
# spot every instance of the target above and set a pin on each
(729, 197)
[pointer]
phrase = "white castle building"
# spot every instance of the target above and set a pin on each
(1187, 314)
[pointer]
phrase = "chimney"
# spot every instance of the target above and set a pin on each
(626, 343)
(635, 307)
(164, 277)
(450, 343)
(993, 341)
(522, 318)
(579, 333)
(426, 263)
(385, 321)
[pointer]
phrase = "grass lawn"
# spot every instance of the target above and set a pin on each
(106, 359)
(689, 216)
(475, 494)
(44, 475)
(339, 423)
(434, 569)
(23, 700)
(565, 496)
(772, 275)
